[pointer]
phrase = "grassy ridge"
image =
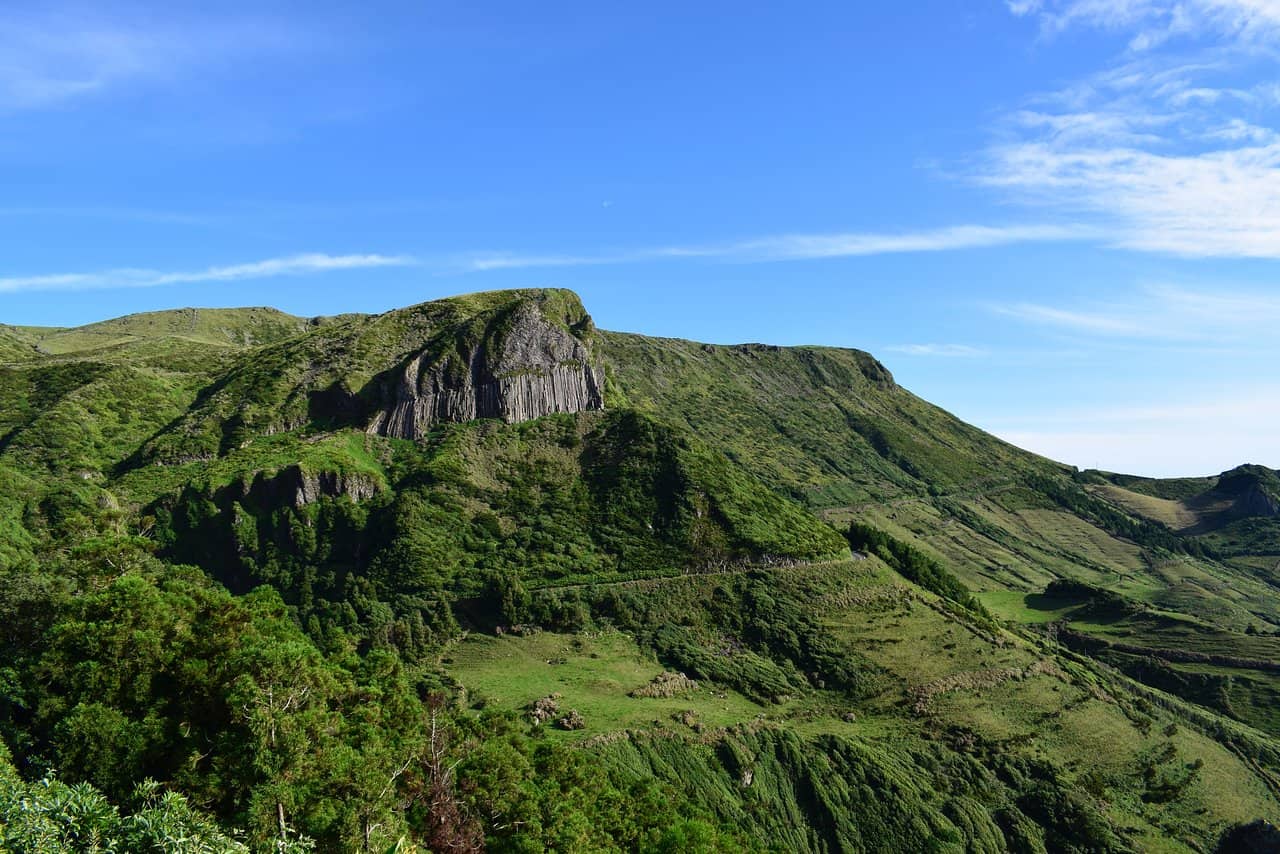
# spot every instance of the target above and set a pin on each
(223, 327)
(828, 425)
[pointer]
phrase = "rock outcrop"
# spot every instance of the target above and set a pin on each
(309, 488)
(294, 487)
(1251, 490)
(529, 367)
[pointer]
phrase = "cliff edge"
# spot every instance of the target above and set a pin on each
(522, 365)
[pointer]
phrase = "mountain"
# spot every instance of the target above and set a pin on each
(475, 573)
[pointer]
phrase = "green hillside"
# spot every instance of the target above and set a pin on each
(476, 574)
(224, 327)
(830, 426)
(15, 346)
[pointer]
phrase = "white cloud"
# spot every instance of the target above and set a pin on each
(950, 351)
(1162, 313)
(1099, 322)
(804, 246)
(1223, 203)
(511, 261)
(1153, 22)
(796, 247)
(1240, 130)
(1172, 153)
(293, 265)
(789, 247)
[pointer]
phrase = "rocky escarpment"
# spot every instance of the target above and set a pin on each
(309, 488)
(525, 367)
(1252, 491)
(292, 486)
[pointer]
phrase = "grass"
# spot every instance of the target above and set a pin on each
(1174, 514)
(230, 327)
(1026, 608)
(1053, 717)
(1077, 537)
(825, 424)
(343, 452)
(595, 674)
(1056, 718)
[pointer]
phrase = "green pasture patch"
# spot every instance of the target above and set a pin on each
(594, 674)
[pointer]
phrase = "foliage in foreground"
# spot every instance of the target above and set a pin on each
(156, 673)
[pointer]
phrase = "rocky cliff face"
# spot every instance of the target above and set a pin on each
(529, 368)
(1251, 490)
(297, 488)
(309, 488)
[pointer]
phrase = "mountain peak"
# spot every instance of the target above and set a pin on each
(530, 356)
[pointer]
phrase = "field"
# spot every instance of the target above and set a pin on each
(595, 674)
(1175, 514)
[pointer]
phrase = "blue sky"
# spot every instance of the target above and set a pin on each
(1059, 219)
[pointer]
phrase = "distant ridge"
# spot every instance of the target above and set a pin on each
(222, 327)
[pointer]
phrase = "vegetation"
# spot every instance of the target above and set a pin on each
(766, 600)
(912, 563)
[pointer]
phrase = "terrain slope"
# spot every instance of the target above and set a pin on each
(477, 573)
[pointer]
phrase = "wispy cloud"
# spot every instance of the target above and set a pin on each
(1161, 313)
(1220, 203)
(1153, 22)
(294, 265)
(804, 246)
(798, 247)
(947, 351)
(489, 262)
(791, 247)
(1162, 408)
(1173, 148)
(54, 53)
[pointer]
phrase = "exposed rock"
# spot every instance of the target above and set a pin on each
(295, 487)
(532, 367)
(1258, 502)
(1251, 491)
(572, 720)
(875, 371)
(312, 487)
(544, 709)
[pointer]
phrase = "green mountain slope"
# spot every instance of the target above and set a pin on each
(830, 426)
(235, 327)
(475, 572)
(14, 346)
